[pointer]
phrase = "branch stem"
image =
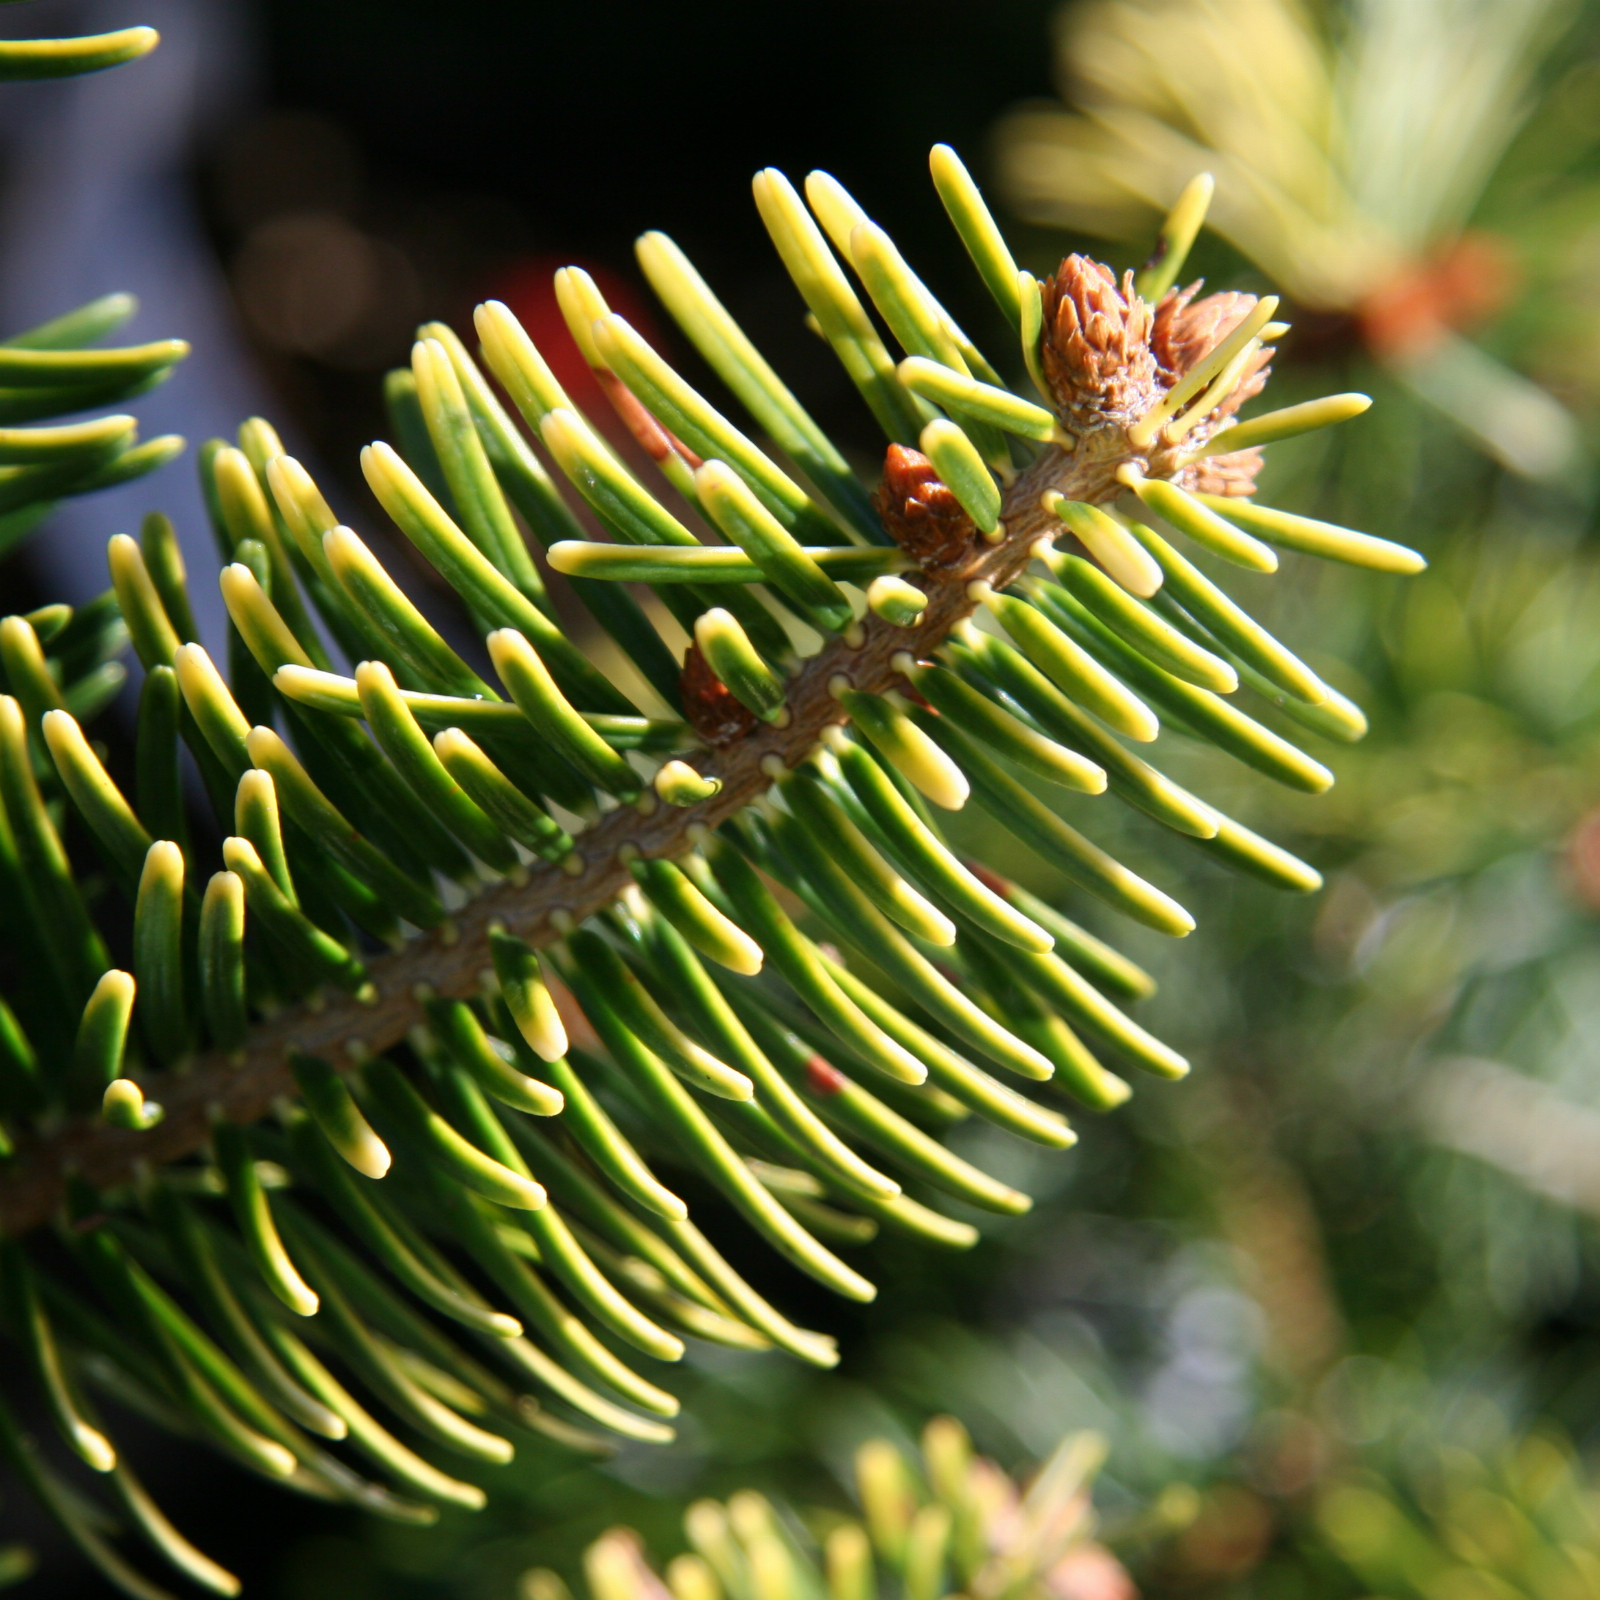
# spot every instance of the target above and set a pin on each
(450, 961)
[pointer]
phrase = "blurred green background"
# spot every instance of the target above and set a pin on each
(1345, 1280)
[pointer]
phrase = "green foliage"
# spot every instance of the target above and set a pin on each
(54, 370)
(517, 970)
(1478, 1517)
(55, 659)
(953, 1523)
(69, 58)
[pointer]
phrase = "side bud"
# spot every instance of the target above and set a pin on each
(710, 705)
(921, 514)
(1184, 332)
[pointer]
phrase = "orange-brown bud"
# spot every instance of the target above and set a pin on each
(920, 513)
(709, 704)
(1186, 331)
(1228, 475)
(1095, 350)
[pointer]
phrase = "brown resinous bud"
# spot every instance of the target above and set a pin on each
(709, 704)
(920, 513)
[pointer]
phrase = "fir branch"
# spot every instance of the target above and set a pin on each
(243, 1086)
(425, 1103)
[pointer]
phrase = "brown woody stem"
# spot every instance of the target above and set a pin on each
(450, 961)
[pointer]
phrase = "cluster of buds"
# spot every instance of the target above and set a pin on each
(1108, 360)
(1108, 357)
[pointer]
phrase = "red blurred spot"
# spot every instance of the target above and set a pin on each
(822, 1077)
(990, 880)
(580, 1031)
(1460, 288)
(1583, 859)
(1089, 1572)
(529, 290)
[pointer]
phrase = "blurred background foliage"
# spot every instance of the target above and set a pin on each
(1345, 1281)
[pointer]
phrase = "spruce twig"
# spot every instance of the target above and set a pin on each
(244, 1085)
(438, 1137)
